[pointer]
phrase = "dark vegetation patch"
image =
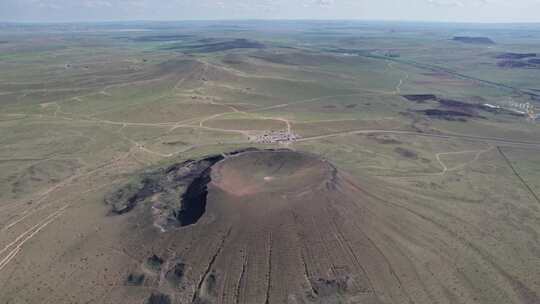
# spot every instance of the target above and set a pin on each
(161, 38)
(534, 61)
(210, 284)
(208, 292)
(406, 153)
(158, 298)
(126, 198)
(135, 279)
(211, 47)
(473, 40)
(420, 98)
(176, 273)
(515, 55)
(154, 262)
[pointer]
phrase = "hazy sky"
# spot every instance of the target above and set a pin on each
(427, 10)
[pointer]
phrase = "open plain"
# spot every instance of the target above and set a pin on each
(269, 162)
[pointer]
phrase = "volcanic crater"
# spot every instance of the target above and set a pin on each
(265, 172)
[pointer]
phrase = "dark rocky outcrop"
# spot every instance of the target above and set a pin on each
(178, 192)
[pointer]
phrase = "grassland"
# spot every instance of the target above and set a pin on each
(453, 198)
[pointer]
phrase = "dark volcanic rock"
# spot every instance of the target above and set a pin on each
(179, 192)
(446, 114)
(420, 98)
(473, 40)
(456, 103)
(455, 106)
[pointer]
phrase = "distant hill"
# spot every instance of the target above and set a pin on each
(515, 55)
(473, 40)
(208, 46)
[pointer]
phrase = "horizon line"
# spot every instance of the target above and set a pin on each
(271, 20)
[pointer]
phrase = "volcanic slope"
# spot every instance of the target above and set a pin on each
(277, 226)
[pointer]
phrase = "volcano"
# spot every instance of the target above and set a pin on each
(277, 226)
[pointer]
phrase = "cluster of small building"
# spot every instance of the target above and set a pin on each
(523, 109)
(272, 137)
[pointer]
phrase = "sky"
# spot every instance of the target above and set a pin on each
(406, 10)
